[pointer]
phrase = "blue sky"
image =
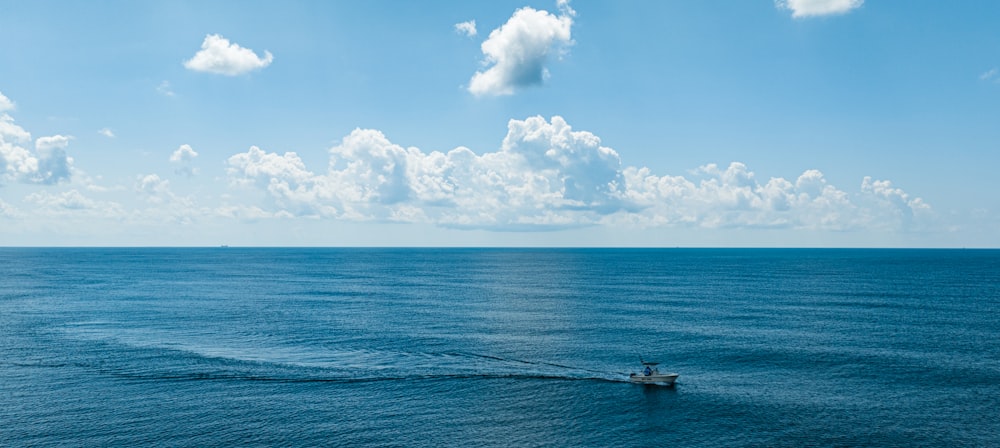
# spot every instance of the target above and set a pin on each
(819, 123)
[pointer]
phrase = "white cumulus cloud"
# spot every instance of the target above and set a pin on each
(516, 54)
(220, 56)
(733, 197)
(10, 131)
(467, 28)
(6, 104)
(47, 144)
(16, 162)
(183, 156)
(48, 164)
(810, 8)
(153, 188)
(106, 132)
(184, 153)
(893, 206)
(53, 163)
(545, 175)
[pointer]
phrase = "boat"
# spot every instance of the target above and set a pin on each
(651, 375)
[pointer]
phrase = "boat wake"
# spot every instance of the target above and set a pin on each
(568, 372)
(347, 366)
(168, 356)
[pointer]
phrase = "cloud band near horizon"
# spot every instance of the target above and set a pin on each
(547, 176)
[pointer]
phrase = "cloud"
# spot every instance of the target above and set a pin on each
(544, 170)
(164, 89)
(73, 212)
(53, 163)
(6, 104)
(47, 144)
(16, 162)
(732, 197)
(249, 213)
(989, 74)
(895, 207)
(48, 164)
(9, 131)
(219, 56)
(106, 132)
(154, 189)
(8, 211)
(285, 179)
(184, 153)
(545, 175)
(466, 28)
(518, 51)
(67, 200)
(573, 163)
(812, 8)
(257, 164)
(183, 156)
(73, 203)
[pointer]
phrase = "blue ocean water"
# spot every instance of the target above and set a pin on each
(498, 347)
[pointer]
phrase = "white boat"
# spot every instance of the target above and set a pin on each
(651, 375)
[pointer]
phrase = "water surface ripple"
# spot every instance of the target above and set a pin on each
(498, 347)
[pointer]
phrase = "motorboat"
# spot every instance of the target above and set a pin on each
(650, 374)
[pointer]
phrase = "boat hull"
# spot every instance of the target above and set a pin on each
(665, 379)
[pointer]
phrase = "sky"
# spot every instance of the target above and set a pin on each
(666, 123)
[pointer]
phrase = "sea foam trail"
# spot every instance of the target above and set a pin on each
(611, 376)
(174, 362)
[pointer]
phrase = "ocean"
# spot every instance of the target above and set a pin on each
(498, 347)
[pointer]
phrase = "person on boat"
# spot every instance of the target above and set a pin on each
(647, 372)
